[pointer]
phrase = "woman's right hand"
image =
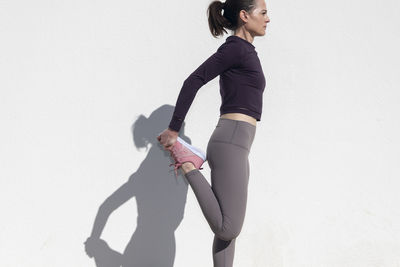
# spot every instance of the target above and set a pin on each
(167, 138)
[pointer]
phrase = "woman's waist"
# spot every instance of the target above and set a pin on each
(240, 117)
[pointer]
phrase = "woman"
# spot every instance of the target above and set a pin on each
(242, 84)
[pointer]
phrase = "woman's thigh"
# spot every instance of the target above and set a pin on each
(229, 179)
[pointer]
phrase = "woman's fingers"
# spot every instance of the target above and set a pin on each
(159, 138)
(165, 140)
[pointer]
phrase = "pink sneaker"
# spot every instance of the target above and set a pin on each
(182, 152)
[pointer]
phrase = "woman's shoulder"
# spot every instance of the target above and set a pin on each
(239, 41)
(232, 46)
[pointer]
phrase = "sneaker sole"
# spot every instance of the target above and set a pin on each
(195, 150)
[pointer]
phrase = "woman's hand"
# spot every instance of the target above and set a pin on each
(167, 138)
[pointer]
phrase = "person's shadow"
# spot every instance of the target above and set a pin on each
(160, 197)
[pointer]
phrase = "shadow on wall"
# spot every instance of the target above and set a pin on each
(160, 197)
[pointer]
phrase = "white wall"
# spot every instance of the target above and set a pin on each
(75, 76)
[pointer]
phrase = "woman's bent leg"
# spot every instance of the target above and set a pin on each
(207, 200)
(224, 202)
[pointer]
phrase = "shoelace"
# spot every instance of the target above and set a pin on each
(176, 164)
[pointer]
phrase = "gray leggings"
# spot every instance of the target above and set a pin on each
(224, 202)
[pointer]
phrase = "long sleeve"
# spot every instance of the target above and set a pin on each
(228, 55)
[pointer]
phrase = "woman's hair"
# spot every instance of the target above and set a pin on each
(229, 19)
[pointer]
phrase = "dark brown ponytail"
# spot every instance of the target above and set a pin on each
(225, 15)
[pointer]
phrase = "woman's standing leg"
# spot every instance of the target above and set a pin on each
(229, 179)
(223, 252)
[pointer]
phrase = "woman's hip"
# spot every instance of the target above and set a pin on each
(234, 132)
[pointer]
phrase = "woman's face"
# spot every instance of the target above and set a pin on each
(257, 19)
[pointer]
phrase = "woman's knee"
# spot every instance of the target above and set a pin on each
(229, 233)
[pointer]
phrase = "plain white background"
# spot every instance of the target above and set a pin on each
(324, 182)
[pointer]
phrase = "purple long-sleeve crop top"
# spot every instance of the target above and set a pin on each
(242, 81)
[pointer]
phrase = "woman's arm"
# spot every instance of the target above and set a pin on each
(228, 55)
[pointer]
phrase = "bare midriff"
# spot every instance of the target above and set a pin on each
(240, 117)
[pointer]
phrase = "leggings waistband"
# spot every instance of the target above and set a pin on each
(236, 132)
